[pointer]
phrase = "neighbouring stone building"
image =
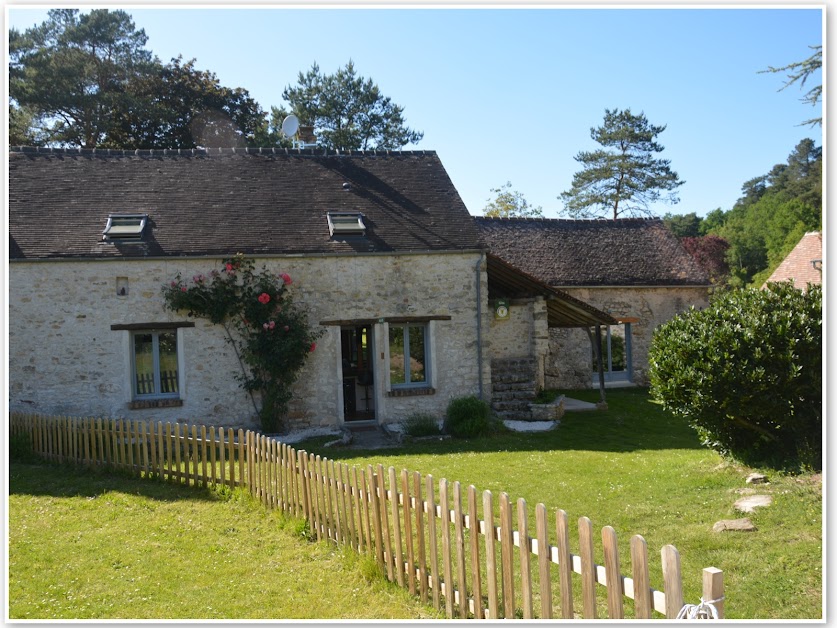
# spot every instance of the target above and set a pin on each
(382, 252)
(633, 269)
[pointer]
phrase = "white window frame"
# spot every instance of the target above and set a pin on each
(124, 227)
(346, 224)
(155, 340)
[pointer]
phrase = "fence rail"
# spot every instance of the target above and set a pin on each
(425, 536)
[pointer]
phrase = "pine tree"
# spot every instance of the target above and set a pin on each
(624, 177)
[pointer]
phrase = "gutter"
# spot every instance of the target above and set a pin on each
(217, 256)
(478, 268)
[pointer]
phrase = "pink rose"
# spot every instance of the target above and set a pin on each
(229, 267)
(264, 297)
(313, 346)
(183, 289)
(174, 284)
(271, 325)
(286, 328)
(265, 326)
(286, 278)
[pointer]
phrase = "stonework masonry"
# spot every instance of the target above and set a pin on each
(524, 334)
(569, 363)
(64, 358)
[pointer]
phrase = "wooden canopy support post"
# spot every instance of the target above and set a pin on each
(596, 343)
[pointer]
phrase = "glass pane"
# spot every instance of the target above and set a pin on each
(168, 361)
(417, 370)
(144, 363)
(617, 349)
(396, 355)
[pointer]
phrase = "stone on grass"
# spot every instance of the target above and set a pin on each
(756, 478)
(751, 502)
(734, 525)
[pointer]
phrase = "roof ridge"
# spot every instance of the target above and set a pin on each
(573, 220)
(209, 152)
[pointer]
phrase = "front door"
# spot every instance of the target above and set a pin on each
(358, 376)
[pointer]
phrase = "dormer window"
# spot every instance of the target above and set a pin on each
(346, 224)
(124, 227)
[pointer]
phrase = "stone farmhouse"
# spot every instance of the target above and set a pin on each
(633, 269)
(381, 249)
(803, 265)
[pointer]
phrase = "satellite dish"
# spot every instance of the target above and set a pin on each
(290, 125)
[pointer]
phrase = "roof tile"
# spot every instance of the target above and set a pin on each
(222, 201)
(624, 252)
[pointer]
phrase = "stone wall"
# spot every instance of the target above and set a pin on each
(569, 363)
(65, 359)
(524, 334)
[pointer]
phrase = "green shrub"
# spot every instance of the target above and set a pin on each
(746, 373)
(467, 417)
(421, 424)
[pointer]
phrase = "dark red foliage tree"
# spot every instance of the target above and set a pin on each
(710, 252)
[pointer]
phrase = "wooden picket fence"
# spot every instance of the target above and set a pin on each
(448, 556)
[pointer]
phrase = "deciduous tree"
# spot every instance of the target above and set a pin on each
(624, 177)
(509, 203)
(179, 106)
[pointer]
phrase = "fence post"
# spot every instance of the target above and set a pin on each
(613, 577)
(588, 568)
(240, 458)
(431, 536)
(713, 589)
(506, 553)
(421, 554)
(525, 555)
(544, 578)
(398, 553)
(376, 516)
(673, 583)
(459, 531)
(474, 522)
(643, 603)
(490, 555)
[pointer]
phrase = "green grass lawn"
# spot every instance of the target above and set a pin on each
(642, 471)
(88, 545)
(85, 545)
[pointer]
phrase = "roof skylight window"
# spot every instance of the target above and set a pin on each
(124, 227)
(346, 224)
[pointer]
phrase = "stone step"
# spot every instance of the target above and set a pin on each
(512, 395)
(512, 415)
(511, 377)
(507, 386)
(513, 363)
(517, 406)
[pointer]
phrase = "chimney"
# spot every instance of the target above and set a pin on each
(306, 135)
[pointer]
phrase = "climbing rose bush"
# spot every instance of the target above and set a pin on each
(269, 332)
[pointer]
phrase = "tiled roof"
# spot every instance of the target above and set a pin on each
(798, 266)
(253, 201)
(624, 252)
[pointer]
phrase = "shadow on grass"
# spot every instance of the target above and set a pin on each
(54, 480)
(631, 423)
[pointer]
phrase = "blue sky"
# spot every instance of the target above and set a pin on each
(509, 94)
